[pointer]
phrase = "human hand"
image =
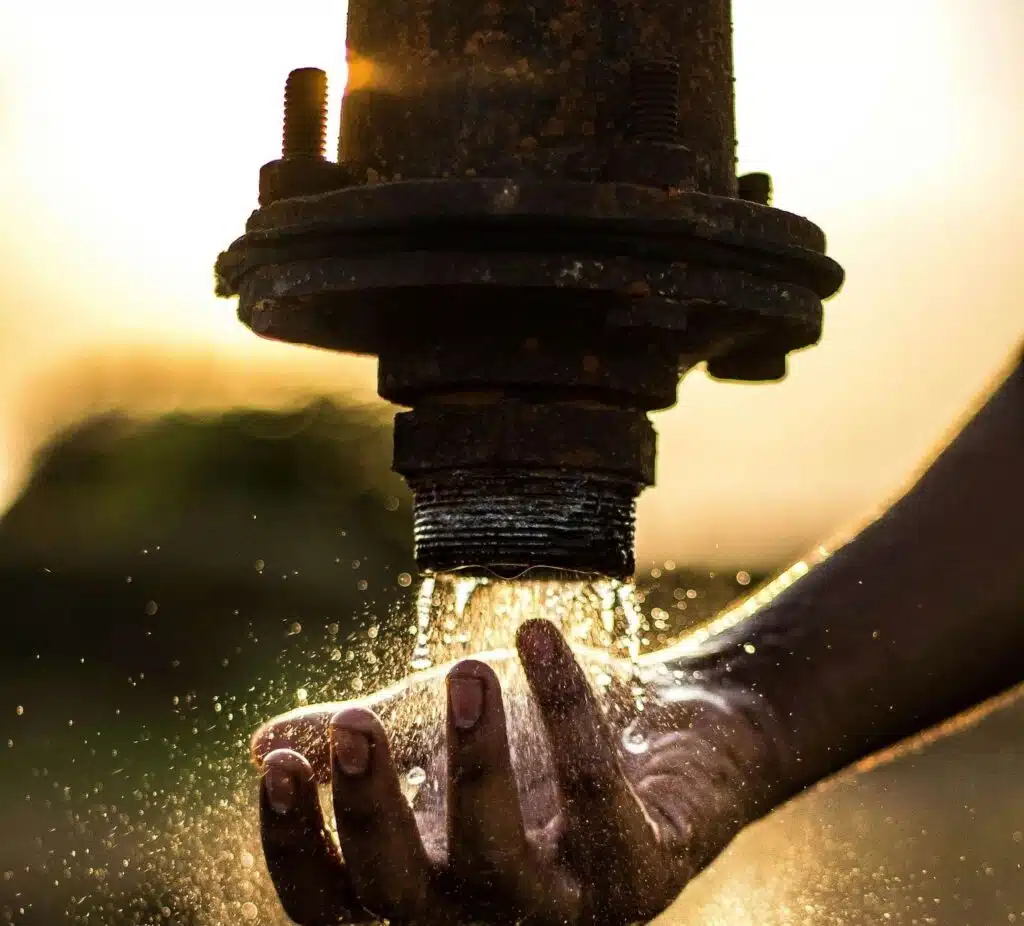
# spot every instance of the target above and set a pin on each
(603, 834)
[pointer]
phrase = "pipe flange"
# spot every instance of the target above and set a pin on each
(346, 269)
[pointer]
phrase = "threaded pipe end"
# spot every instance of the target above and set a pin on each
(654, 101)
(305, 114)
(507, 521)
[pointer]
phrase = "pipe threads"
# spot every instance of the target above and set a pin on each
(507, 521)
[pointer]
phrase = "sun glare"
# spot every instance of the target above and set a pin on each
(847, 104)
(130, 143)
(141, 164)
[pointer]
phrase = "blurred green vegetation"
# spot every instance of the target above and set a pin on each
(154, 560)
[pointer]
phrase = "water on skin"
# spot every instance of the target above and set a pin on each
(190, 849)
(469, 616)
(196, 844)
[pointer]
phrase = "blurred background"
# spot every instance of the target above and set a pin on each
(200, 528)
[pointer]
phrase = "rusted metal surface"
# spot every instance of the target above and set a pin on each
(536, 225)
(358, 268)
(504, 521)
(455, 88)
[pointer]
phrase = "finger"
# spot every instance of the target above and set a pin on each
(485, 824)
(487, 840)
(305, 731)
(301, 856)
(379, 838)
(606, 826)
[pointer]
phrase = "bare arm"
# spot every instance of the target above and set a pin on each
(918, 618)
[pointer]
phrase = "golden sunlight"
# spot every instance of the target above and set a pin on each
(131, 140)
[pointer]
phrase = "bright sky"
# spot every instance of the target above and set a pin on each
(129, 148)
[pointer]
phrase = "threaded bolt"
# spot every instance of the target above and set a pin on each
(654, 101)
(305, 114)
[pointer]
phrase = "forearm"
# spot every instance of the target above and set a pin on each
(918, 618)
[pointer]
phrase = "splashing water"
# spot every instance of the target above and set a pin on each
(460, 616)
(167, 832)
(471, 616)
(167, 829)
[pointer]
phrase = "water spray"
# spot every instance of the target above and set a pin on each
(535, 224)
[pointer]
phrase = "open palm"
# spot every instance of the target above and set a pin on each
(600, 833)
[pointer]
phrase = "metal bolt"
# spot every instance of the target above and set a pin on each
(654, 101)
(305, 115)
(755, 188)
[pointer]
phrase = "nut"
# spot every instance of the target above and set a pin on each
(288, 177)
(653, 164)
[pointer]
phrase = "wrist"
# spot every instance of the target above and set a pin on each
(735, 747)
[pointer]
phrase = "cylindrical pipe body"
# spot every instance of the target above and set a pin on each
(452, 88)
(559, 89)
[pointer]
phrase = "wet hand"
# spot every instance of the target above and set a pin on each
(606, 836)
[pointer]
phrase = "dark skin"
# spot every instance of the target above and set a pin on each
(918, 618)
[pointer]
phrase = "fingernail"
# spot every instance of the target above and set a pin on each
(466, 696)
(351, 750)
(280, 787)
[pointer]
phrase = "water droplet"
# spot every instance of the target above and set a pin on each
(293, 628)
(19, 710)
(749, 648)
(249, 910)
(151, 608)
(743, 577)
(260, 565)
(416, 776)
(404, 579)
(302, 696)
(634, 741)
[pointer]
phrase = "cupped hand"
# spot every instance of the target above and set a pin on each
(606, 835)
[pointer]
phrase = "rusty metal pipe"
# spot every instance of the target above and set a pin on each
(480, 85)
(536, 225)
